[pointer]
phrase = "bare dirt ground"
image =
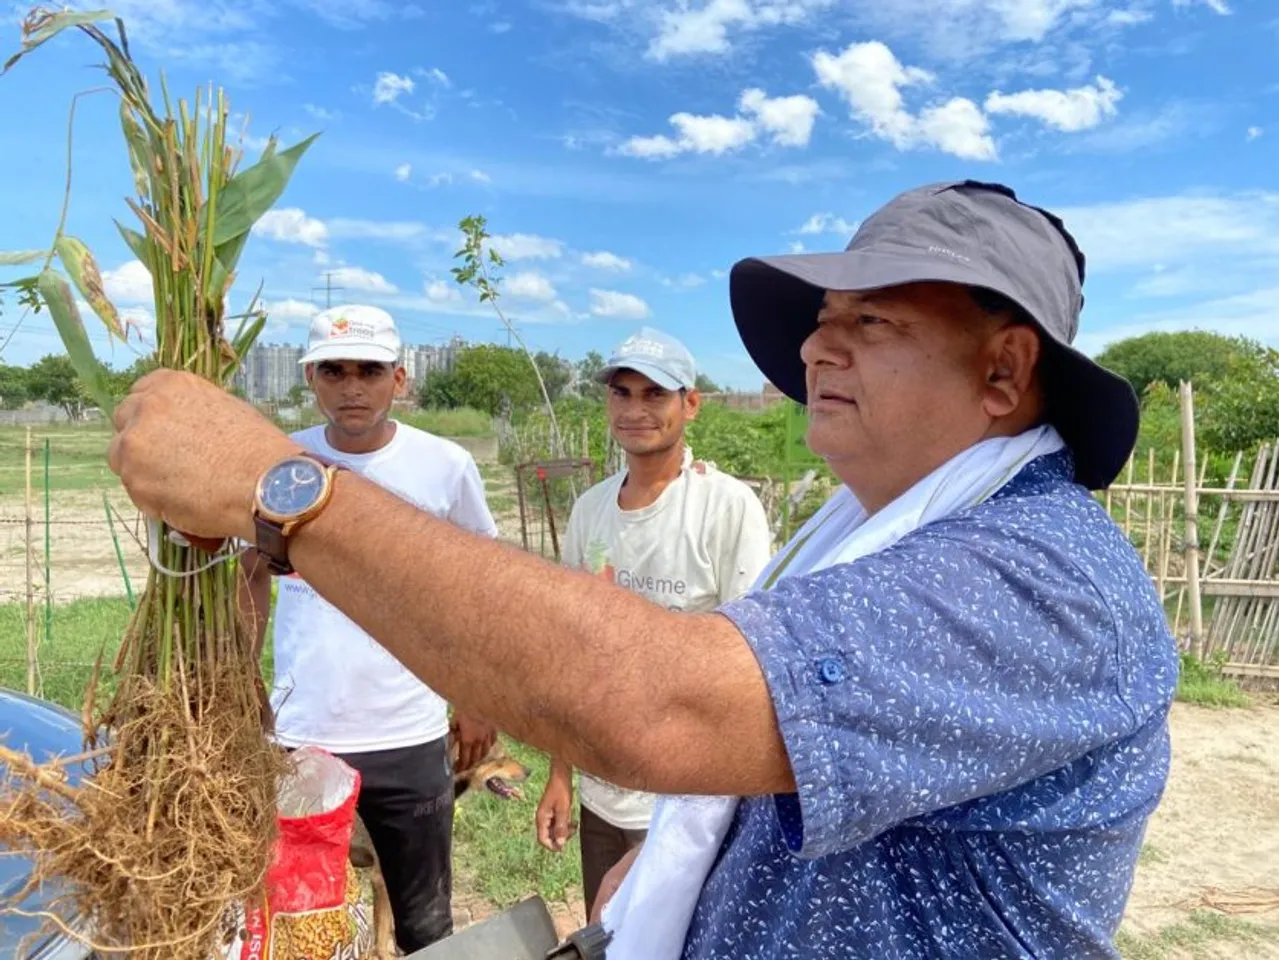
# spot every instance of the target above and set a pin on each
(1213, 840)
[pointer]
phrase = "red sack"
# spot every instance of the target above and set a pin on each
(313, 909)
(317, 818)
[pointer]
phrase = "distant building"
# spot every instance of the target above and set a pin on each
(422, 360)
(271, 370)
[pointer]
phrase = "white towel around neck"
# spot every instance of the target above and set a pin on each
(650, 914)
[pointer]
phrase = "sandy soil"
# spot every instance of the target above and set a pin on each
(1215, 836)
(82, 555)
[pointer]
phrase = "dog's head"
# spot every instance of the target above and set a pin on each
(499, 776)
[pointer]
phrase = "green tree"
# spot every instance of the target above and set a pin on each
(297, 394)
(706, 385)
(53, 379)
(1194, 355)
(13, 387)
(487, 377)
(557, 373)
(588, 369)
(439, 391)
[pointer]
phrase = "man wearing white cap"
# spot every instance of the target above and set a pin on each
(669, 528)
(335, 687)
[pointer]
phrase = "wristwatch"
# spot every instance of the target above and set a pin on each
(289, 494)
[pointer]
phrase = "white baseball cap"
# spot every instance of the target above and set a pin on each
(353, 332)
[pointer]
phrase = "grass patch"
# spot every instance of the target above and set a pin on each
(1206, 684)
(77, 458)
(501, 503)
(1202, 928)
(1151, 855)
(80, 631)
(495, 842)
(461, 422)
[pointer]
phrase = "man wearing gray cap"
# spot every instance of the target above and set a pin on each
(674, 530)
(937, 727)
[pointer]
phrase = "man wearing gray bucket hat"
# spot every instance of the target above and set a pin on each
(937, 725)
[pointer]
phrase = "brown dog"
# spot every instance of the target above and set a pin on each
(498, 772)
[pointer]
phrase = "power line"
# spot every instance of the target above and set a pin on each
(328, 289)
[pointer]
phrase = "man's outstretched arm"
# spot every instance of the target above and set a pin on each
(604, 680)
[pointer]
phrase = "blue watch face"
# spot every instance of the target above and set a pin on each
(292, 486)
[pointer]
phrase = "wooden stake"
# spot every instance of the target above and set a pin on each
(1192, 519)
(32, 637)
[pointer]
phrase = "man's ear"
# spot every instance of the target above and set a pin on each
(692, 404)
(308, 374)
(401, 377)
(1012, 354)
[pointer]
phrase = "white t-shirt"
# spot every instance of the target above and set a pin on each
(335, 686)
(700, 544)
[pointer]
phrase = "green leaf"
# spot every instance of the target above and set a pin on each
(137, 243)
(249, 195)
(11, 258)
(56, 293)
(42, 26)
(244, 340)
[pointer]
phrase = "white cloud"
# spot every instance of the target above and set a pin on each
(389, 230)
(128, 283)
(688, 281)
(526, 246)
(530, 285)
(436, 75)
(359, 279)
(657, 147)
(1253, 133)
(870, 78)
(789, 119)
(440, 291)
(1067, 110)
(479, 176)
(292, 225)
(604, 260)
(290, 309)
(796, 246)
(436, 179)
(1176, 230)
(403, 172)
(319, 112)
(390, 86)
(1216, 6)
(618, 306)
(827, 223)
(1128, 18)
(686, 30)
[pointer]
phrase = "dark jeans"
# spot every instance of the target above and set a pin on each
(406, 802)
(603, 845)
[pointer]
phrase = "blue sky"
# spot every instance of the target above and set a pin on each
(627, 152)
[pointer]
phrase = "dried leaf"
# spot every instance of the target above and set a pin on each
(43, 25)
(56, 293)
(78, 261)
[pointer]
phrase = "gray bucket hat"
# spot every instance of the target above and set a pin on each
(966, 232)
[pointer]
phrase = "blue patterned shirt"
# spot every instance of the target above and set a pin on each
(977, 722)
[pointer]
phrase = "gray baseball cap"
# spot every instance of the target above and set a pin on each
(656, 355)
(966, 232)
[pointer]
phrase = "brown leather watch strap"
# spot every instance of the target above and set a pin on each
(274, 546)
